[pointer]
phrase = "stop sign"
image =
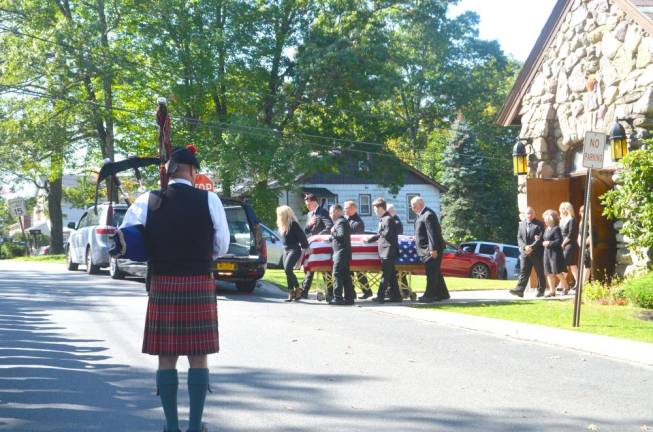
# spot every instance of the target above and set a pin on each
(202, 181)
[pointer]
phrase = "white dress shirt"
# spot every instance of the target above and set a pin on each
(137, 215)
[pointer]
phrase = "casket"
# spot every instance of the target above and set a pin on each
(365, 256)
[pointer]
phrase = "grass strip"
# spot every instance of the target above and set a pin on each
(608, 320)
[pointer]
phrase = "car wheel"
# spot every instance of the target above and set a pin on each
(70, 265)
(479, 271)
(90, 267)
(246, 287)
(114, 269)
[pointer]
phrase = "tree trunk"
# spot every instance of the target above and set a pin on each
(56, 216)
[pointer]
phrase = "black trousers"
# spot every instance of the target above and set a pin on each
(388, 278)
(342, 280)
(290, 258)
(526, 264)
(436, 287)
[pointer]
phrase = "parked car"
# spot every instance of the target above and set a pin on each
(244, 263)
(274, 246)
(487, 249)
(458, 262)
(90, 241)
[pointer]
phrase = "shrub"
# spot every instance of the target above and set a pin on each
(639, 291)
(632, 203)
(605, 293)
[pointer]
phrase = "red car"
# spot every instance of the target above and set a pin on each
(457, 262)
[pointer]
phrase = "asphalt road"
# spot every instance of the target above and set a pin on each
(70, 361)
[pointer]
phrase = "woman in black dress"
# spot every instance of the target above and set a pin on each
(294, 240)
(569, 229)
(554, 260)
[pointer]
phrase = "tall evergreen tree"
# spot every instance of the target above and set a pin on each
(463, 205)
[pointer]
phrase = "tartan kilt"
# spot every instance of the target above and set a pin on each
(182, 316)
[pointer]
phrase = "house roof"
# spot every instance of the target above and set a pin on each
(411, 176)
(640, 11)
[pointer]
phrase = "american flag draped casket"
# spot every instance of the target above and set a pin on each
(365, 256)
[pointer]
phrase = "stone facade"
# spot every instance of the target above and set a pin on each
(597, 67)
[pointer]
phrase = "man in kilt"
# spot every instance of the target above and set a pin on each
(185, 229)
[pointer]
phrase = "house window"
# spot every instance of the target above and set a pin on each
(331, 201)
(411, 214)
(365, 204)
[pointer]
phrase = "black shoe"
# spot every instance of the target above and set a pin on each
(378, 299)
(516, 292)
(395, 300)
(304, 294)
(446, 297)
(424, 299)
(341, 302)
(539, 294)
(366, 294)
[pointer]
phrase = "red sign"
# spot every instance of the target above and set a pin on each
(202, 181)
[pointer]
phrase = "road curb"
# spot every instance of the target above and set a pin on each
(607, 346)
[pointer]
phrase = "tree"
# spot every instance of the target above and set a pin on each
(464, 203)
(632, 200)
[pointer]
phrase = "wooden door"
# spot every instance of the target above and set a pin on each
(604, 243)
(542, 195)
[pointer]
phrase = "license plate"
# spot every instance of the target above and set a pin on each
(226, 266)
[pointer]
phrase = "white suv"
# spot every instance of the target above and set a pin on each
(487, 249)
(90, 241)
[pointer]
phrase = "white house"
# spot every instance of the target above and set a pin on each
(341, 187)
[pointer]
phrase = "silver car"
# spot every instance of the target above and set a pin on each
(274, 247)
(90, 241)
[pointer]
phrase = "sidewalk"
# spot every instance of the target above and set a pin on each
(616, 348)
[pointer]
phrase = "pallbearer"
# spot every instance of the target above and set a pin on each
(357, 227)
(341, 245)
(388, 244)
(185, 230)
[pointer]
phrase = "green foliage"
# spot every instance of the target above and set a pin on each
(463, 205)
(266, 90)
(632, 201)
(605, 292)
(639, 290)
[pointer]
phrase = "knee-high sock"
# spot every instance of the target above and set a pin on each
(167, 382)
(198, 384)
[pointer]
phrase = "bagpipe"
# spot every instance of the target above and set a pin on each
(129, 241)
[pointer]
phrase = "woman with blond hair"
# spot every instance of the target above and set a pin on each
(554, 260)
(569, 230)
(294, 240)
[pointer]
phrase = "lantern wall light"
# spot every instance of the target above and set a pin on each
(620, 143)
(520, 157)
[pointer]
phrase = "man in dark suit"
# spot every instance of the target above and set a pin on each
(388, 245)
(405, 291)
(357, 227)
(529, 239)
(341, 245)
(430, 245)
(318, 222)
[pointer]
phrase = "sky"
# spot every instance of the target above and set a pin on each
(516, 24)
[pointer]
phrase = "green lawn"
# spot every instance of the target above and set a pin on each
(617, 321)
(418, 283)
(43, 258)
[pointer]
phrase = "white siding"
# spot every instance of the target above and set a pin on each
(346, 192)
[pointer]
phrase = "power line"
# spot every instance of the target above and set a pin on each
(264, 95)
(248, 130)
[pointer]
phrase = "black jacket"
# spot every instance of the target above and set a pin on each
(526, 235)
(323, 224)
(428, 233)
(387, 237)
(295, 238)
(356, 224)
(341, 240)
(400, 226)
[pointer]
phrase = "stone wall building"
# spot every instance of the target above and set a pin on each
(591, 64)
